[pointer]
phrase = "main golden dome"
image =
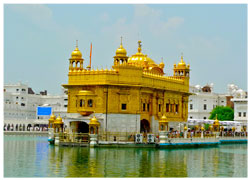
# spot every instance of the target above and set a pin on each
(140, 58)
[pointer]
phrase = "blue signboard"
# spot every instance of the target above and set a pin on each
(44, 111)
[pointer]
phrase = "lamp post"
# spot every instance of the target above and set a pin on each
(52, 119)
(211, 129)
(93, 131)
(185, 132)
(202, 131)
(216, 126)
(233, 129)
(222, 131)
(163, 129)
(58, 127)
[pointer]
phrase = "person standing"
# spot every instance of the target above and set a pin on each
(191, 134)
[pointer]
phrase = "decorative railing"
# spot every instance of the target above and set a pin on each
(117, 136)
(74, 137)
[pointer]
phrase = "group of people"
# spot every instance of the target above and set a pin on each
(22, 128)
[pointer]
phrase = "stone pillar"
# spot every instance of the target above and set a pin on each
(93, 140)
(57, 141)
(185, 132)
(51, 137)
(202, 134)
(222, 131)
(217, 134)
(163, 136)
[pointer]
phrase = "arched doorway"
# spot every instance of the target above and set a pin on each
(29, 127)
(82, 127)
(145, 126)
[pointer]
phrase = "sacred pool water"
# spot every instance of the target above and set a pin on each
(32, 156)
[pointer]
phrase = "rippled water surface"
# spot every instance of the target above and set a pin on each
(32, 156)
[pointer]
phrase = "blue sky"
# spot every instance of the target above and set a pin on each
(39, 39)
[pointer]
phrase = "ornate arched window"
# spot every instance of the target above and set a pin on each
(90, 103)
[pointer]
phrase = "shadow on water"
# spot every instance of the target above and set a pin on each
(33, 157)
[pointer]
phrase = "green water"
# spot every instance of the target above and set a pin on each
(31, 156)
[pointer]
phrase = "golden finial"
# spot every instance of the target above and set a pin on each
(216, 117)
(121, 40)
(76, 43)
(182, 57)
(139, 43)
(139, 46)
(162, 64)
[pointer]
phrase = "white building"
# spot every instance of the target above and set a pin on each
(203, 101)
(240, 104)
(20, 105)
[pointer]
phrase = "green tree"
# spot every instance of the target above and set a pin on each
(224, 113)
(206, 126)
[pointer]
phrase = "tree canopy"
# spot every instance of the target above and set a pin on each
(224, 113)
(206, 126)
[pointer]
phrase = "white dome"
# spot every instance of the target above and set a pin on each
(198, 87)
(240, 93)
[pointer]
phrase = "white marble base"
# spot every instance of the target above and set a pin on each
(56, 141)
(163, 137)
(93, 140)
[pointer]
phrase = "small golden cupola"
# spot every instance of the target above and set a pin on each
(94, 125)
(162, 65)
(58, 120)
(120, 55)
(163, 123)
(216, 121)
(58, 124)
(181, 69)
(76, 60)
(51, 121)
(216, 124)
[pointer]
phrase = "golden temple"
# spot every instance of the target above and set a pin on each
(132, 96)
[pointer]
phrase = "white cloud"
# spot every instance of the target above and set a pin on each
(40, 15)
(104, 17)
(145, 20)
(142, 11)
(210, 47)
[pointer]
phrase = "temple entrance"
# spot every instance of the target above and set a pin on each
(82, 127)
(145, 126)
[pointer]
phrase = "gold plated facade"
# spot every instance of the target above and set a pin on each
(134, 85)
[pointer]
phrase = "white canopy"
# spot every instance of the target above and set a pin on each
(208, 121)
